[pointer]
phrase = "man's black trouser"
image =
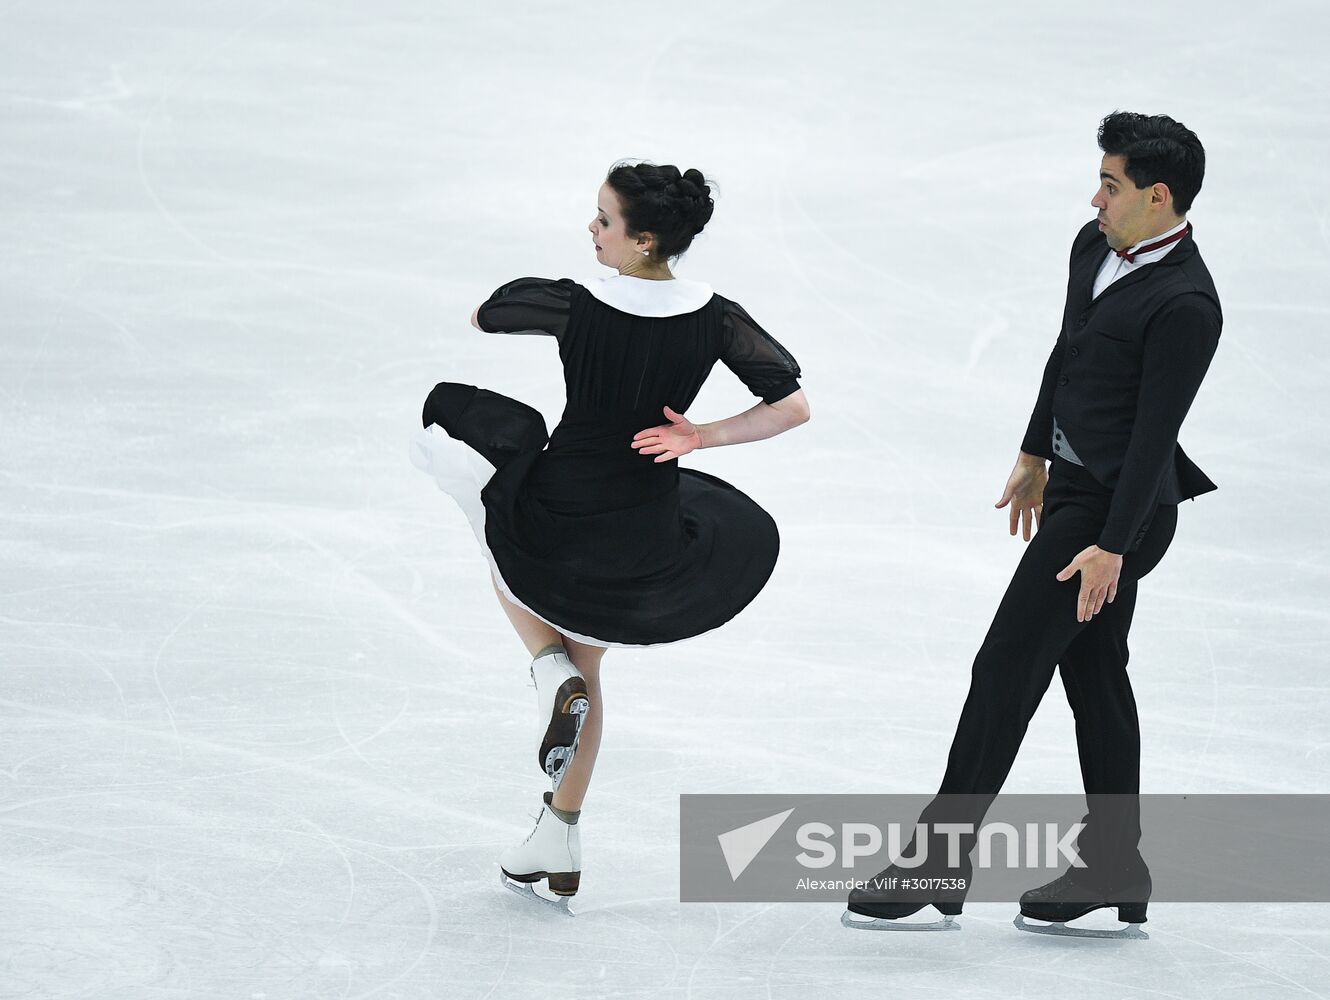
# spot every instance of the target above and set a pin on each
(1034, 631)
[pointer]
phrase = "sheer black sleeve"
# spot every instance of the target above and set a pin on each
(528, 305)
(751, 353)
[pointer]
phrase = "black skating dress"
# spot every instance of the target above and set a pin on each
(601, 542)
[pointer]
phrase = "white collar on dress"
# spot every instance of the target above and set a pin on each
(646, 297)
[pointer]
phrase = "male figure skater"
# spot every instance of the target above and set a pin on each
(1141, 323)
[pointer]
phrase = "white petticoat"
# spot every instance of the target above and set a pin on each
(462, 472)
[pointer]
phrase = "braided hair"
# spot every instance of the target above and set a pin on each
(660, 200)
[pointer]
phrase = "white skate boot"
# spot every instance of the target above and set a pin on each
(553, 852)
(561, 700)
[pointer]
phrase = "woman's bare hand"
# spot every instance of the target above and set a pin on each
(668, 441)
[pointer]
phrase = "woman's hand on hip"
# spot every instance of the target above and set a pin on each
(668, 441)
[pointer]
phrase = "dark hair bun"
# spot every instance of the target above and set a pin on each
(659, 199)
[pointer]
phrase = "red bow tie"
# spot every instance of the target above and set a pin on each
(1130, 256)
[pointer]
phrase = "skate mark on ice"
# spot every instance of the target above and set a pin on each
(268, 762)
(507, 955)
(174, 221)
(797, 932)
(721, 936)
(354, 746)
(1233, 956)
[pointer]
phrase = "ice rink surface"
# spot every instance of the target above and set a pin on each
(263, 727)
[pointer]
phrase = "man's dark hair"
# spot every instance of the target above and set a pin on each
(1158, 150)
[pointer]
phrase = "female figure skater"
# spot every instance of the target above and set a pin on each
(595, 536)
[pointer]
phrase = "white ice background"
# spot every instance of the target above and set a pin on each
(263, 727)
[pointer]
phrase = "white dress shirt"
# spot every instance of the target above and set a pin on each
(1115, 267)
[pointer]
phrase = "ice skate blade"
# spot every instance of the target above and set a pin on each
(556, 764)
(860, 922)
(527, 889)
(557, 754)
(1131, 932)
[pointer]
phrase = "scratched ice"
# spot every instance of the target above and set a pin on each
(263, 729)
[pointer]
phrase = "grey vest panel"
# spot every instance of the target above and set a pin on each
(1062, 447)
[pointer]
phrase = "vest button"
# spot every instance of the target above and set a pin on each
(1063, 380)
(1075, 352)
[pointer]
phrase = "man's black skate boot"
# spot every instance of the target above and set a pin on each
(1079, 891)
(896, 893)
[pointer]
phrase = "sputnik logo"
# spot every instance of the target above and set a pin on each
(742, 845)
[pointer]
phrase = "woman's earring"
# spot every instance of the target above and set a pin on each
(646, 253)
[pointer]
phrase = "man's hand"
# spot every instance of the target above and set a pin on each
(1025, 492)
(1099, 579)
(668, 441)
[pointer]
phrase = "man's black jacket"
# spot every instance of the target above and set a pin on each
(1122, 376)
